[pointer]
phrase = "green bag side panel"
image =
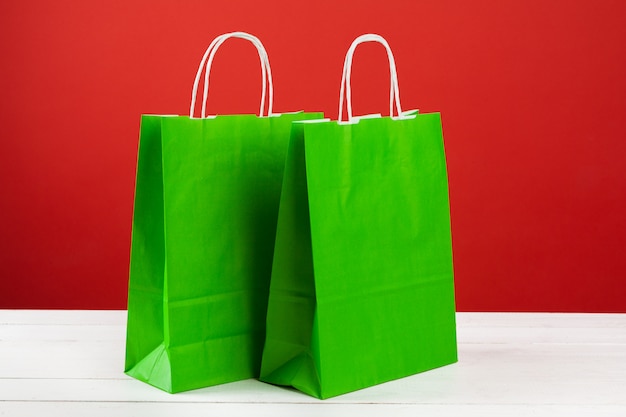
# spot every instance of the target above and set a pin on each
(154, 369)
(382, 254)
(221, 181)
(289, 346)
(145, 330)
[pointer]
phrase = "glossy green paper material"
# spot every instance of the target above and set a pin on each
(362, 284)
(204, 226)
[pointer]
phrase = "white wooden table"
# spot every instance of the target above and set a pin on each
(69, 363)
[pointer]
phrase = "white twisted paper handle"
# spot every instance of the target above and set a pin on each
(208, 57)
(346, 90)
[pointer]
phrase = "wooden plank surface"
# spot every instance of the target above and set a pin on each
(510, 364)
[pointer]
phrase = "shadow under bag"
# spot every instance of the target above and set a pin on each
(362, 285)
(204, 225)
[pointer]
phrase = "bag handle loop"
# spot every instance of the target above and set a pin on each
(208, 57)
(346, 90)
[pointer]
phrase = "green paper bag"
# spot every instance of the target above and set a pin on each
(362, 282)
(204, 225)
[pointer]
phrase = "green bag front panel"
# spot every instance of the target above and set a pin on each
(382, 252)
(221, 182)
(378, 231)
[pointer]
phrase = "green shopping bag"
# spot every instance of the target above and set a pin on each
(204, 226)
(362, 281)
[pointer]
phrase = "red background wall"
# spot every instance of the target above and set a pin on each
(532, 96)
